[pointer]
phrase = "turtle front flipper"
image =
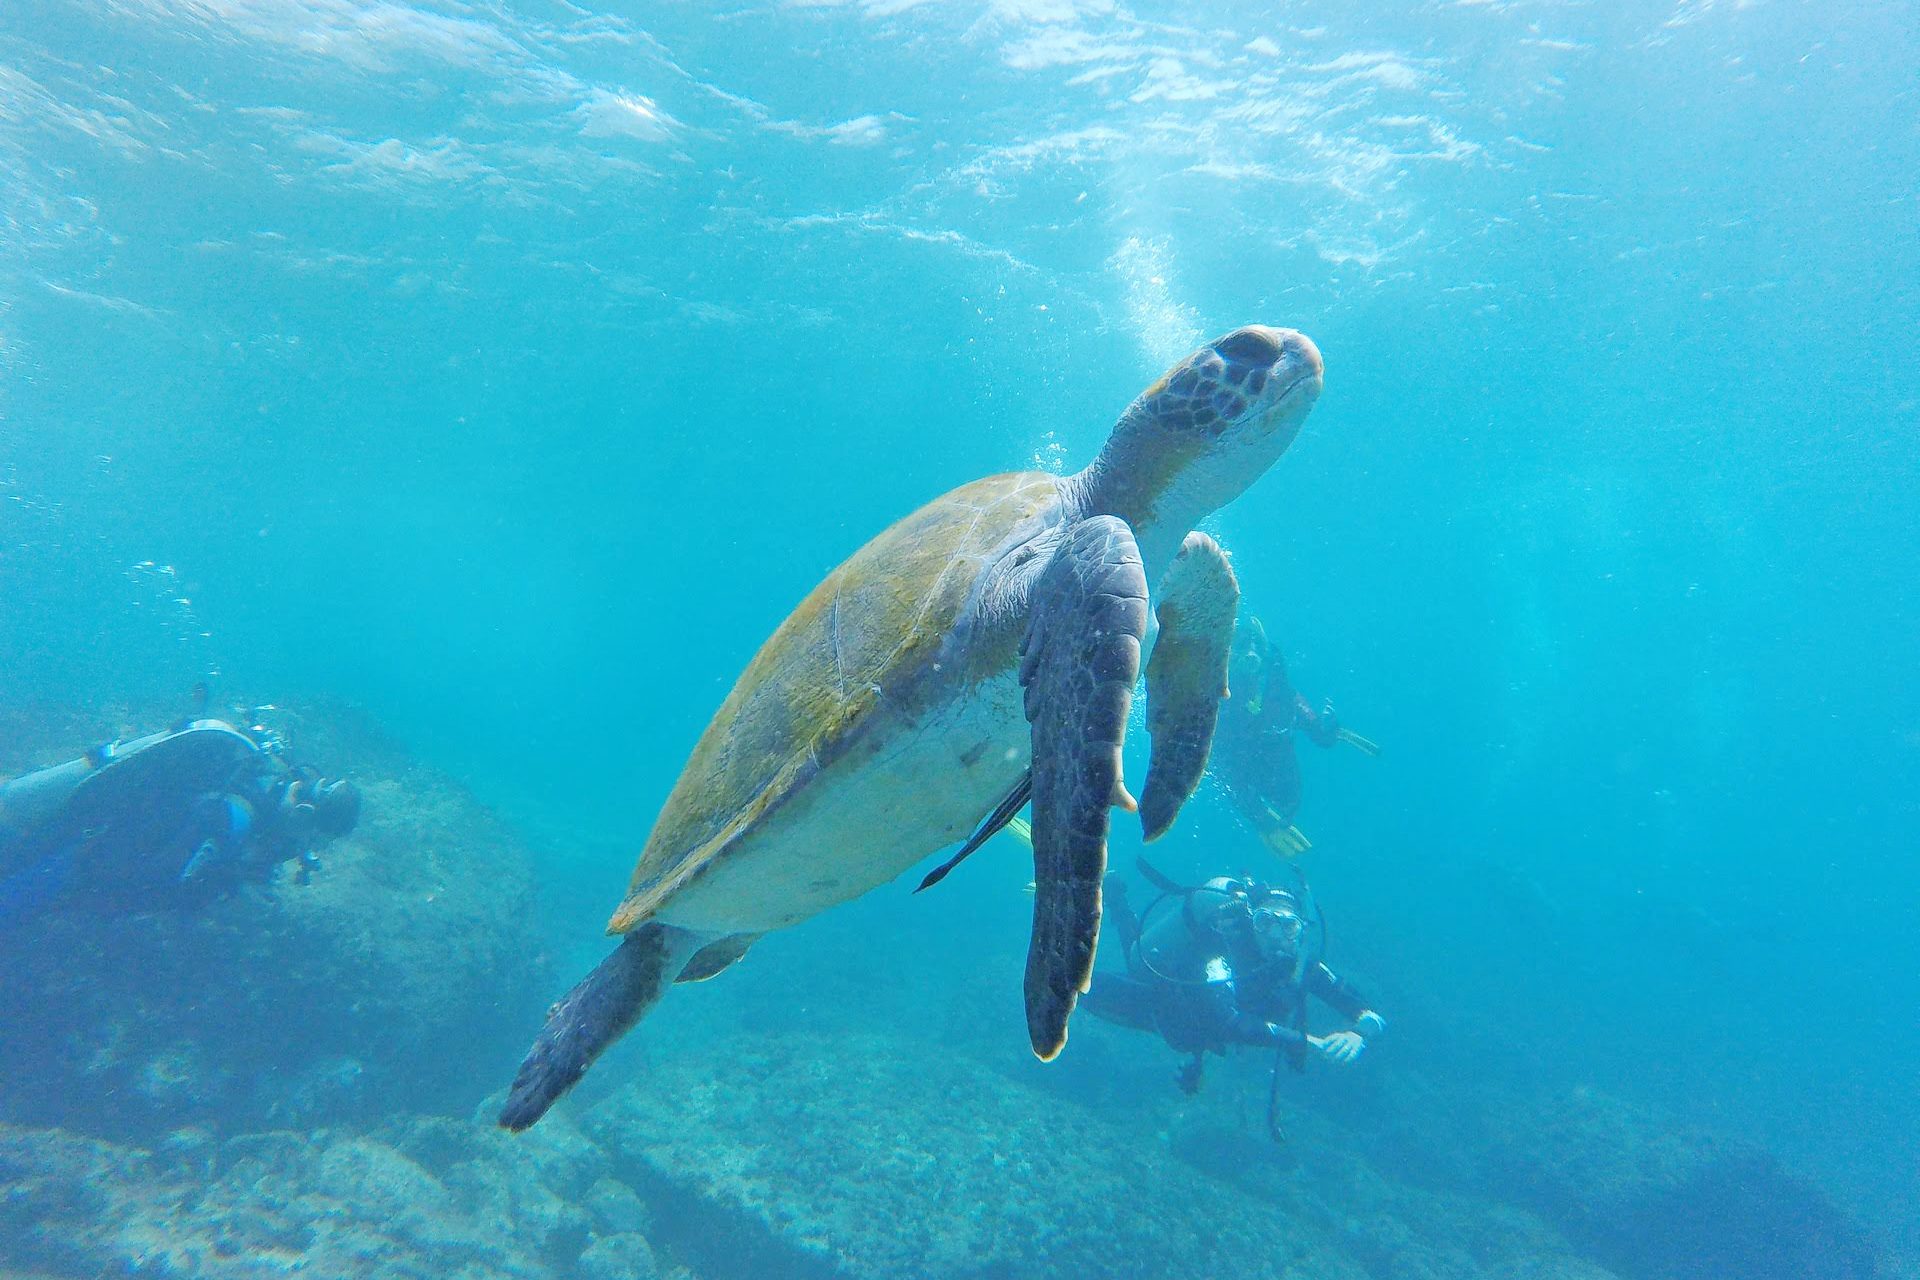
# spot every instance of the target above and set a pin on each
(1081, 658)
(597, 1012)
(1187, 676)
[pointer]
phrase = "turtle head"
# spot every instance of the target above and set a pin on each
(1197, 438)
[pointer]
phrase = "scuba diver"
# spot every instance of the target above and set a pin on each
(1253, 753)
(1229, 962)
(171, 820)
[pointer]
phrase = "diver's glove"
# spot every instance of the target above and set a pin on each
(1322, 728)
(1341, 1046)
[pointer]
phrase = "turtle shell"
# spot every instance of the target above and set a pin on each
(864, 654)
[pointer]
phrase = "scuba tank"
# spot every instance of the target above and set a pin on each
(1184, 931)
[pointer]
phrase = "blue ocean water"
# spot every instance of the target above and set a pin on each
(507, 371)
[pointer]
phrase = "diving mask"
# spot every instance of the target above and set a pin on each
(1278, 926)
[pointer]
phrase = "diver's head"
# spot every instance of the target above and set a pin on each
(1247, 665)
(336, 807)
(1258, 922)
(1279, 924)
(1210, 427)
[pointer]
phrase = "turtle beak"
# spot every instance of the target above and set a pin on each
(1300, 357)
(1261, 357)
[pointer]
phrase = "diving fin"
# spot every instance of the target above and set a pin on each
(1365, 745)
(1289, 842)
(1157, 878)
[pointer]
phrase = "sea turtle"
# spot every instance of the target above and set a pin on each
(978, 653)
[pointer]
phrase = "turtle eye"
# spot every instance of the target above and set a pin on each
(1249, 346)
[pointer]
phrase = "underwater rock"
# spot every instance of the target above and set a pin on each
(856, 1157)
(626, 1256)
(1654, 1200)
(321, 1204)
(615, 1209)
(287, 1005)
(65, 1199)
(823, 1157)
(328, 1087)
(1389, 1227)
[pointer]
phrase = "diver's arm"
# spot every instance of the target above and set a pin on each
(1250, 1028)
(1345, 999)
(1246, 1025)
(1214, 1009)
(1322, 727)
(213, 844)
(1343, 1047)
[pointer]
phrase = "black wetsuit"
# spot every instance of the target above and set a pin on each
(164, 822)
(1203, 1002)
(1254, 753)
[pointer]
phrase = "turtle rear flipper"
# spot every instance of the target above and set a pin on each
(1187, 676)
(1082, 655)
(715, 958)
(603, 1007)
